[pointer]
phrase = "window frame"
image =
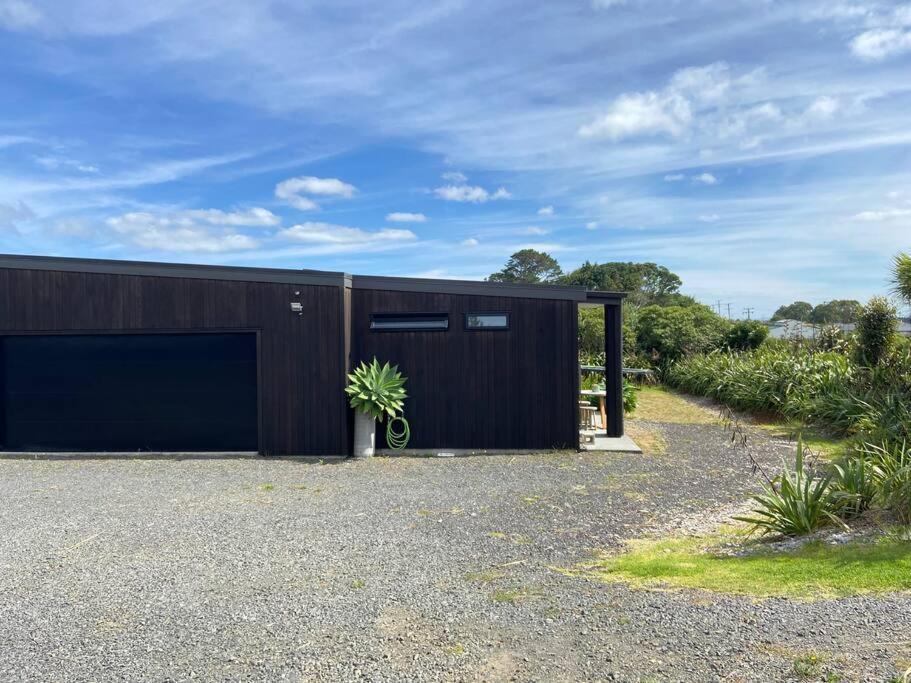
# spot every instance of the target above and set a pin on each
(498, 328)
(409, 315)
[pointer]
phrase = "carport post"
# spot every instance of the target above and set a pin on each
(613, 367)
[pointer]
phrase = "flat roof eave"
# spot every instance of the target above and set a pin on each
(307, 277)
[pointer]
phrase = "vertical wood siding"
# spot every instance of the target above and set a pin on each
(480, 389)
(301, 366)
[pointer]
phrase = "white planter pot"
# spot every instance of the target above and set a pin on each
(364, 435)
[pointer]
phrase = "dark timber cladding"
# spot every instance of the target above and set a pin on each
(120, 355)
(481, 389)
(301, 373)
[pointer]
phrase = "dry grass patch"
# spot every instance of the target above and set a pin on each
(659, 404)
(649, 439)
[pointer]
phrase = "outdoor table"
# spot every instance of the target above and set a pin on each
(602, 403)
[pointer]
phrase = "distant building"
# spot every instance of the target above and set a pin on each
(786, 329)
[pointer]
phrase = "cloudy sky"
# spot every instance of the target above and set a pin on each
(759, 148)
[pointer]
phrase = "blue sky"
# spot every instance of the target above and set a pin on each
(761, 148)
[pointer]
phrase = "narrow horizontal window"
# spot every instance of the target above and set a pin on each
(402, 322)
(487, 321)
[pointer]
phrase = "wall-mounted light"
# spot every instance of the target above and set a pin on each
(297, 307)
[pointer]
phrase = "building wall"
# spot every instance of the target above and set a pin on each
(301, 356)
(513, 389)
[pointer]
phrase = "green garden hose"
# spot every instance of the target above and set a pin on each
(398, 440)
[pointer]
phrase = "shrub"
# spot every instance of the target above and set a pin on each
(854, 485)
(891, 464)
(673, 332)
(630, 397)
(797, 501)
(746, 335)
(875, 331)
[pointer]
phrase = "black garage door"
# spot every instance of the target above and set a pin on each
(129, 392)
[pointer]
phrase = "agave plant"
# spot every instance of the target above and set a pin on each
(377, 390)
(795, 502)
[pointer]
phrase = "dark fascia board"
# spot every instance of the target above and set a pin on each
(605, 298)
(468, 287)
(182, 270)
(307, 277)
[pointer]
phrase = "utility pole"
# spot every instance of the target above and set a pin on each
(729, 309)
(718, 306)
(748, 312)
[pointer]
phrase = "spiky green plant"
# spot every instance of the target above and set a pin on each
(795, 502)
(854, 485)
(377, 390)
(901, 276)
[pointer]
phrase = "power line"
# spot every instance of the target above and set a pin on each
(748, 312)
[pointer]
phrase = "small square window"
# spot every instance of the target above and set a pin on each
(409, 322)
(487, 321)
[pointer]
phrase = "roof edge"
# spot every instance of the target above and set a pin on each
(307, 277)
(183, 270)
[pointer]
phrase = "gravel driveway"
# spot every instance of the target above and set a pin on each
(393, 569)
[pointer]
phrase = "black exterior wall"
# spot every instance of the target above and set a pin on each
(479, 389)
(476, 389)
(300, 364)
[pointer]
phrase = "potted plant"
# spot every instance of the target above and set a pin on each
(375, 391)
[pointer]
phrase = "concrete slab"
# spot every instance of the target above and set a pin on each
(605, 444)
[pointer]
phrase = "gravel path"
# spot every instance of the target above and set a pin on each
(394, 569)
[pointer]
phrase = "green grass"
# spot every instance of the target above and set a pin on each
(816, 440)
(358, 583)
(660, 404)
(511, 596)
(816, 570)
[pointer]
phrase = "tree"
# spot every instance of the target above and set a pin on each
(528, 265)
(901, 276)
(646, 283)
(875, 331)
(836, 311)
(745, 335)
(799, 310)
(671, 332)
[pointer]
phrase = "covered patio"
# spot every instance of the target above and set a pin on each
(601, 427)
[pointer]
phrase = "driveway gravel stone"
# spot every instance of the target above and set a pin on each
(397, 569)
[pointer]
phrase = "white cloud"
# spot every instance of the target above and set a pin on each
(13, 214)
(546, 211)
(880, 43)
(674, 177)
(822, 108)
(177, 233)
(591, 225)
(455, 177)
(55, 163)
(882, 215)
(18, 14)
(532, 230)
(705, 179)
(294, 190)
(709, 217)
(470, 242)
(607, 4)
(637, 114)
(195, 230)
(470, 193)
(255, 217)
(709, 83)
(404, 217)
(329, 234)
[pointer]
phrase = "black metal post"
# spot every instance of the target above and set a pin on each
(613, 367)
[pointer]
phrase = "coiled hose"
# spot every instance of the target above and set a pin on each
(397, 440)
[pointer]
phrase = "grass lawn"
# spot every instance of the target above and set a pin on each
(660, 404)
(817, 570)
(817, 440)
